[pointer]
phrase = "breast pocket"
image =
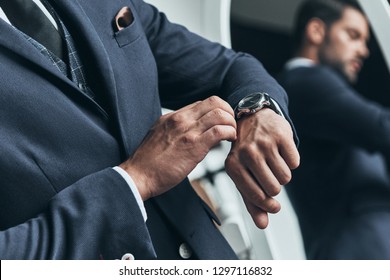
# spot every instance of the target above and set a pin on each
(127, 28)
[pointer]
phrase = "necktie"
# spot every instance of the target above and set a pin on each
(26, 16)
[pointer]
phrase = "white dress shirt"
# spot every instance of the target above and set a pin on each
(299, 62)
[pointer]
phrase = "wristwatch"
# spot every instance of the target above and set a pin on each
(253, 103)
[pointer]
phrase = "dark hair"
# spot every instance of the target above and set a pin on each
(328, 11)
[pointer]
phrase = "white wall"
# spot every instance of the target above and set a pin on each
(209, 18)
(378, 13)
(272, 14)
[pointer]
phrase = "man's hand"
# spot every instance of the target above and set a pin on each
(261, 160)
(177, 143)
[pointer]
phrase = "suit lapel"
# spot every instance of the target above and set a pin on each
(15, 43)
(91, 48)
(97, 63)
(96, 60)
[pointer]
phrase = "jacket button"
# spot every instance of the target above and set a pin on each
(128, 257)
(185, 251)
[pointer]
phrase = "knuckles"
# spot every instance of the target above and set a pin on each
(189, 139)
(175, 120)
(296, 162)
(266, 203)
(249, 150)
(217, 132)
(266, 143)
(217, 113)
(285, 178)
(258, 198)
(274, 190)
(214, 101)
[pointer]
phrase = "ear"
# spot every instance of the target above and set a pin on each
(315, 31)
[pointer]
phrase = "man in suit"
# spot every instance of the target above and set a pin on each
(341, 192)
(90, 169)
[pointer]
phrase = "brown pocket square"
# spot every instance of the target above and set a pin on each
(123, 18)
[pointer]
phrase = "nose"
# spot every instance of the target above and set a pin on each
(363, 50)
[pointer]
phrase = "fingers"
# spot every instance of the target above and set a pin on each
(261, 160)
(257, 165)
(188, 107)
(257, 184)
(215, 126)
(286, 146)
(274, 156)
(259, 216)
(204, 107)
(267, 167)
(218, 133)
(250, 188)
(289, 153)
(213, 102)
(219, 116)
(271, 170)
(280, 168)
(209, 121)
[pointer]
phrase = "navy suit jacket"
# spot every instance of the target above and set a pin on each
(343, 176)
(59, 197)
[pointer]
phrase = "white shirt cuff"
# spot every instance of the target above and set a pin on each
(134, 189)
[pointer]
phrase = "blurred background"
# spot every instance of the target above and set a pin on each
(262, 28)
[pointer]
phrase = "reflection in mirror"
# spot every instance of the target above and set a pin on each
(262, 28)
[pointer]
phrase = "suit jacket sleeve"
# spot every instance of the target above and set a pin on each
(192, 68)
(98, 215)
(324, 106)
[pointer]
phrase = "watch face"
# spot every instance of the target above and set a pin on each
(251, 101)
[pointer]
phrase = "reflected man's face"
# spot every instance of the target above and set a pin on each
(345, 45)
